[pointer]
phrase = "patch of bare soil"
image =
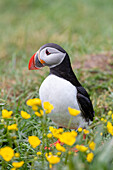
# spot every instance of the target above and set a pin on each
(102, 62)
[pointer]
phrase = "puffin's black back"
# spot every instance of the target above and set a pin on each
(64, 70)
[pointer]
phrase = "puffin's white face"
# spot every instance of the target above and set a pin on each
(51, 56)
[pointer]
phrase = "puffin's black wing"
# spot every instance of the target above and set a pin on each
(85, 104)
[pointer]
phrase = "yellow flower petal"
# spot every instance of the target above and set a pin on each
(92, 145)
(53, 159)
(86, 131)
(68, 138)
(90, 157)
(110, 128)
(48, 107)
(35, 101)
(80, 129)
(17, 155)
(60, 148)
(18, 164)
(34, 141)
(73, 112)
(38, 153)
(25, 115)
(49, 135)
(12, 127)
(82, 148)
(7, 153)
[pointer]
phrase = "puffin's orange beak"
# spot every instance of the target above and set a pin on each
(35, 63)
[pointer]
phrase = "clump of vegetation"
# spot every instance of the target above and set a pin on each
(29, 141)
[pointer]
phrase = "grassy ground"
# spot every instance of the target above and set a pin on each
(83, 28)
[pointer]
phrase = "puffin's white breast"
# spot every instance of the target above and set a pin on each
(61, 94)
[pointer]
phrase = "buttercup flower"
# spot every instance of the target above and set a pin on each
(86, 131)
(90, 157)
(80, 129)
(48, 107)
(18, 164)
(39, 114)
(38, 153)
(12, 127)
(59, 153)
(56, 132)
(110, 128)
(60, 148)
(49, 135)
(7, 153)
(102, 119)
(25, 115)
(68, 138)
(6, 114)
(17, 155)
(82, 148)
(112, 116)
(53, 159)
(34, 141)
(32, 102)
(73, 112)
(92, 145)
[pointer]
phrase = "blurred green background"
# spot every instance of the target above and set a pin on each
(81, 27)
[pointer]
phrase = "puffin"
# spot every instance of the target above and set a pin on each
(61, 88)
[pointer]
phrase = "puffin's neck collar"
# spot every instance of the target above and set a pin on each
(64, 70)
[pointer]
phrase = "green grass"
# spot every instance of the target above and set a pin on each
(82, 28)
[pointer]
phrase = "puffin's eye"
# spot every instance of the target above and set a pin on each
(47, 52)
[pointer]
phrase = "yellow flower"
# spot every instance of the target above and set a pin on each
(68, 138)
(80, 129)
(34, 108)
(48, 107)
(102, 119)
(18, 164)
(112, 116)
(39, 114)
(60, 148)
(56, 132)
(12, 127)
(38, 153)
(34, 141)
(110, 112)
(59, 153)
(73, 112)
(53, 159)
(49, 135)
(101, 133)
(7, 153)
(110, 128)
(82, 148)
(25, 115)
(86, 131)
(6, 114)
(35, 101)
(92, 145)
(90, 157)
(17, 155)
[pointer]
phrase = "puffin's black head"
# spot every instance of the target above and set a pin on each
(50, 55)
